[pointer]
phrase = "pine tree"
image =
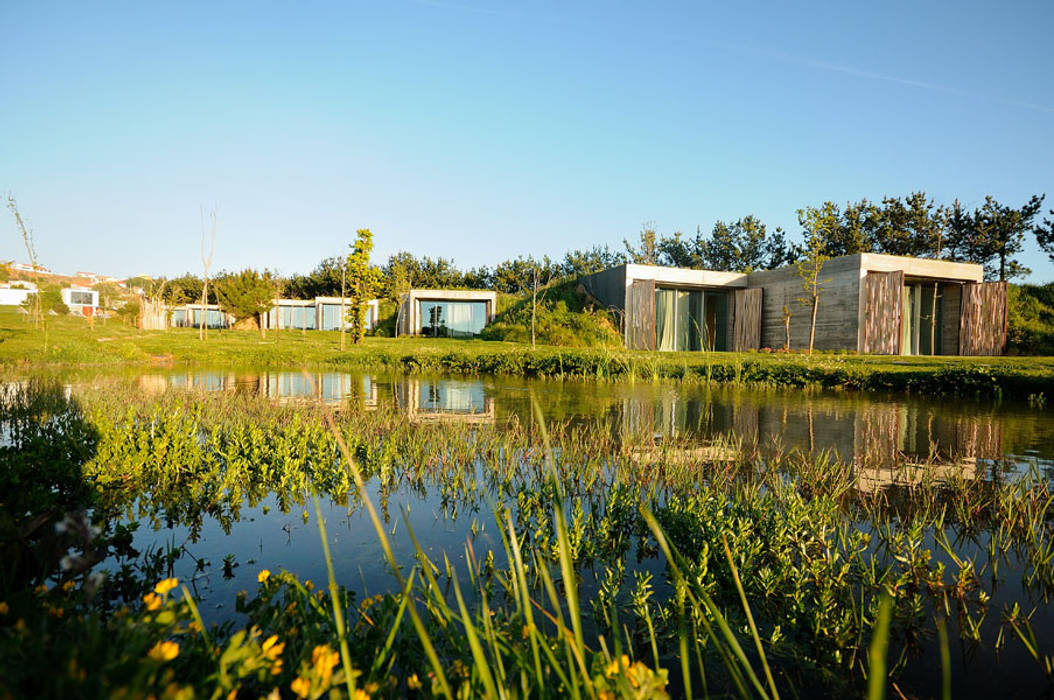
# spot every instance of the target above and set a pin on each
(246, 294)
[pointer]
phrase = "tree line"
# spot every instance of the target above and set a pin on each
(992, 234)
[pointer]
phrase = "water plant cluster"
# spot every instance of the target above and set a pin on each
(623, 567)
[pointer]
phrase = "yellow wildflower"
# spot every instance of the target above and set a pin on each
(20, 625)
(69, 586)
(153, 601)
(56, 612)
(308, 585)
(272, 648)
(361, 694)
(617, 665)
(4, 607)
(324, 659)
(165, 586)
(194, 627)
(164, 651)
(301, 686)
(413, 682)
(41, 589)
(263, 576)
(233, 694)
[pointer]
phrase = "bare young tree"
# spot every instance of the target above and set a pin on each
(39, 319)
(206, 262)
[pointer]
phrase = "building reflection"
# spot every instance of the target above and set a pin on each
(887, 442)
(444, 400)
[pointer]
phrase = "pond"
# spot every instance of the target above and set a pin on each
(893, 449)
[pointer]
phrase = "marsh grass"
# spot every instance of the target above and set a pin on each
(778, 577)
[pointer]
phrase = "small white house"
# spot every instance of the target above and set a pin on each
(15, 293)
(81, 300)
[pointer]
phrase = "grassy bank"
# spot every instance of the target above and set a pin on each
(72, 343)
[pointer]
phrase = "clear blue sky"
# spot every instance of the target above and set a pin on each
(481, 131)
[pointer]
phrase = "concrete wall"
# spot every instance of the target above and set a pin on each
(838, 317)
(607, 286)
(410, 306)
(684, 277)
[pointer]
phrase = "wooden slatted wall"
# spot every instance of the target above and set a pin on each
(640, 315)
(982, 328)
(883, 308)
(746, 319)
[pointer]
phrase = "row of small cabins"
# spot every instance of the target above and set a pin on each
(869, 303)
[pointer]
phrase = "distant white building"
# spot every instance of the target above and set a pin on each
(81, 300)
(15, 293)
(26, 267)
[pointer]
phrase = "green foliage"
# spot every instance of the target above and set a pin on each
(362, 283)
(245, 294)
(740, 246)
(1030, 319)
(562, 319)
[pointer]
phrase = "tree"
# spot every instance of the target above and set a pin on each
(816, 223)
(648, 252)
(745, 246)
(595, 259)
(680, 251)
(995, 235)
(1045, 236)
(206, 262)
(246, 294)
(362, 281)
(31, 250)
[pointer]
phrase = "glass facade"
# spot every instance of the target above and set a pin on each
(191, 318)
(452, 397)
(331, 317)
(294, 317)
(82, 298)
(452, 319)
(920, 328)
(690, 319)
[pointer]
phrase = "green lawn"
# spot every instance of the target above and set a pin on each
(71, 343)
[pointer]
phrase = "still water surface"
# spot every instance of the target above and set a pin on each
(888, 439)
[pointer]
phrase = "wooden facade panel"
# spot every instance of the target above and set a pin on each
(883, 308)
(982, 328)
(640, 315)
(951, 307)
(746, 319)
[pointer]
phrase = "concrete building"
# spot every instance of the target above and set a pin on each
(16, 293)
(869, 303)
(320, 313)
(189, 316)
(446, 313)
(81, 300)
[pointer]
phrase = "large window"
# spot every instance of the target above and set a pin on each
(82, 298)
(690, 319)
(296, 317)
(452, 319)
(920, 329)
(452, 397)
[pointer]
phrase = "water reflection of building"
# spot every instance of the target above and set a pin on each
(435, 400)
(331, 388)
(879, 438)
